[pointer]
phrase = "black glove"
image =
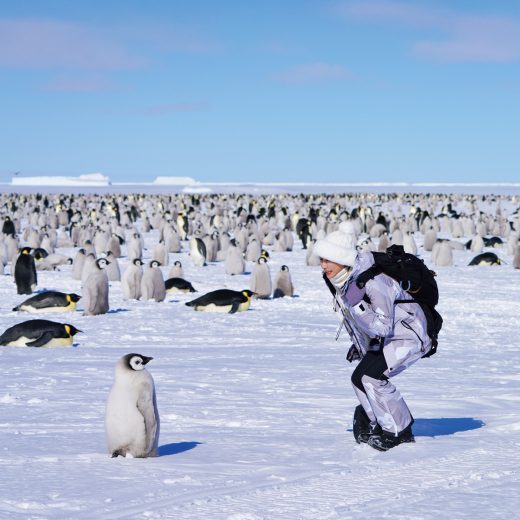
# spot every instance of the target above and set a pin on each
(353, 354)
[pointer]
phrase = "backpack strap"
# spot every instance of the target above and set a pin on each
(369, 274)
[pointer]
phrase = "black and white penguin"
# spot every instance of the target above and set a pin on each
(261, 283)
(198, 251)
(8, 227)
(131, 418)
(486, 259)
(39, 333)
(95, 290)
(178, 285)
(49, 301)
(131, 280)
(283, 285)
(152, 283)
(25, 275)
(222, 300)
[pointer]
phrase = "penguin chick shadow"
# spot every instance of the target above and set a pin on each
(115, 311)
(176, 447)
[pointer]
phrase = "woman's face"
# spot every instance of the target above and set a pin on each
(330, 268)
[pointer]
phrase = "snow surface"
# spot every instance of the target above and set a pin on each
(256, 407)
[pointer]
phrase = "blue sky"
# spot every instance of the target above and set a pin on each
(287, 90)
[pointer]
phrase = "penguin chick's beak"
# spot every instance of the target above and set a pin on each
(146, 359)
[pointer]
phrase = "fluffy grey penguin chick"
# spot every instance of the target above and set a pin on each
(261, 283)
(283, 285)
(132, 419)
(95, 290)
(131, 280)
(152, 283)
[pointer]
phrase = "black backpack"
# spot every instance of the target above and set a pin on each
(415, 278)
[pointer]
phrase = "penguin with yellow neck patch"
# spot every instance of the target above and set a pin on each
(49, 301)
(222, 300)
(39, 333)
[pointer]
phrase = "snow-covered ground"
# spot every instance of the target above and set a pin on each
(256, 407)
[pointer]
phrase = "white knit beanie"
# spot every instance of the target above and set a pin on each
(337, 247)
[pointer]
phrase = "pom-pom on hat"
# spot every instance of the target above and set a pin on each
(337, 247)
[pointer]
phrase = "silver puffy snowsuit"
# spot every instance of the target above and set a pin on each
(402, 328)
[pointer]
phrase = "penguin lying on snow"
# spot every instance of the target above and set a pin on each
(39, 333)
(176, 285)
(486, 259)
(49, 301)
(132, 419)
(222, 300)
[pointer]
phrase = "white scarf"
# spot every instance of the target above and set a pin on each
(341, 278)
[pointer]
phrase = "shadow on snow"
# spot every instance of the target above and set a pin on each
(176, 447)
(444, 426)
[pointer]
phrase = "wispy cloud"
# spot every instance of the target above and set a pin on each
(44, 44)
(466, 37)
(80, 84)
(172, 108)
(36, 43)
(312, 73)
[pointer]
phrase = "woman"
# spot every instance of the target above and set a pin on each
(387, 338)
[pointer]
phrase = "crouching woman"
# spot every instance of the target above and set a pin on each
(387, 338)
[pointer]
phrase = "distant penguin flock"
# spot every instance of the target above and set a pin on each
(133, 243)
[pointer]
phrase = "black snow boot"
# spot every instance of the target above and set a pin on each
(361, 427)
(385, 440)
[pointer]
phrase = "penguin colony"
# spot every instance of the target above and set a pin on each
(132, 242)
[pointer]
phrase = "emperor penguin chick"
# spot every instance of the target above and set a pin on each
(152, 283)
(176, 270)
(95, 290)
(261, 283)
(234, 261)
(131, 280)
(283, 285)
(132, 418)
(113, 271)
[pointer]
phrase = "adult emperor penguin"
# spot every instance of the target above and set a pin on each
(25, 272)
(131, 280)
(152, 283)
(486, 259)
(283, 285)
(222, 300)
(261, 283)
(197, 251)
(39, 333)
(95, 290)
(49, 301)
(182, 226)
(132, 418)
(178, 285)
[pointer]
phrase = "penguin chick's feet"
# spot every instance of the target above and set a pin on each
(117, 453)
(384, 441)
